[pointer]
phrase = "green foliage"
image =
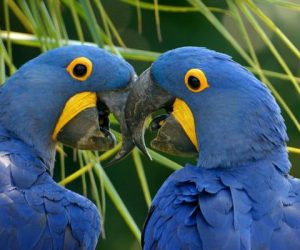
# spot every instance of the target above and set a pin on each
(52, 23)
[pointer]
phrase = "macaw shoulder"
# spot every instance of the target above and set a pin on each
(35, 212)
(238, 208)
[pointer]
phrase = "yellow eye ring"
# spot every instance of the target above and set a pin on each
(80, 68)
(195, 80)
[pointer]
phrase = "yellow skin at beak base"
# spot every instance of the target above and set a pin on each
(184, 116)
(73, 107)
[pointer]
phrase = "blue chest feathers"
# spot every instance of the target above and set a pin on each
(250, 207)
(35, 212)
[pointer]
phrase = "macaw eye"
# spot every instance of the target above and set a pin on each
(80, 68)
(195, 80)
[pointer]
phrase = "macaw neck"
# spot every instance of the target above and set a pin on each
(278, 159)
(222, 144)
(29, 118)
(234, 128)
(11, 144)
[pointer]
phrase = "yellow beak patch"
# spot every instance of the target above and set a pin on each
(73, 107)
(184, 116)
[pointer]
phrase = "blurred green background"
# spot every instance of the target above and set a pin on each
(218, 25)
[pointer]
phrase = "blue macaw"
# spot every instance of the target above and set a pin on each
(239, 194)
(63, 95)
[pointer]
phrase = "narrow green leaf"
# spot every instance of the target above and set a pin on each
(34, 41)
(94, 188)
(6, 57)
(286, 4)
(41, 29)
(50, 27)
(104, 19)
(268, 42)
(83, 175)
(102, 191)
(258, 12)
(141, 174)
(139, 15)
(220, 27)
(88, 166)
(128, 53)
(19, 14)
(92, 22)
(247, 39)
(294, 150)
(60, 150)
(2, 69)
(273, 74)
(107, 24)
(205, 11)
(115, 31)
(256, 62)
(157, 20)
(170, 8)
(26, 10)
(164, 160)
(55, 10)
(116, 199)
(95, 192)
(7, 27)
(96, 196)
(76, 21)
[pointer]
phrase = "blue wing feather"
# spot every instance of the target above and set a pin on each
(250, 207)
(35, 212)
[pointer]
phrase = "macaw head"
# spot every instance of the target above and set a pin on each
(215, 108)
(66, 95)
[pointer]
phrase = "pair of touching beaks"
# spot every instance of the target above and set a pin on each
(173, 136)
(89, 128)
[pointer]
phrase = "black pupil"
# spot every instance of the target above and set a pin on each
(194, 82)
(79, 70)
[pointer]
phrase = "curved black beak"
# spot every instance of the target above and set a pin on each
(116, 101)
(145, 98)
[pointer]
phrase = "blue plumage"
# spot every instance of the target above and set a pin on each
(236, 118)
(35, 95)
(239, 195)
(35, 212)
(253, 206)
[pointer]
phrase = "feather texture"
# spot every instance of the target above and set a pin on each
(35, 212)
(247, 207)
(239, 194)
